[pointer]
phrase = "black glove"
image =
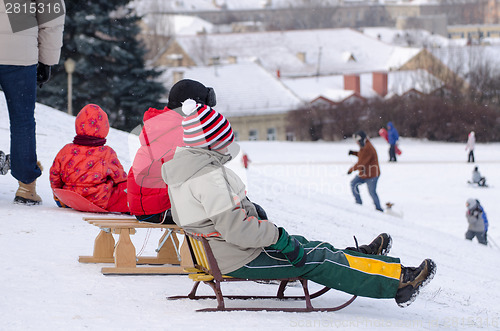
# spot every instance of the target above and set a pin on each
(291, 248)
(42, 74)
(351, 153)
(260, 212)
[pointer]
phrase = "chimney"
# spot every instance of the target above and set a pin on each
(380, 83)
(178, 75)
(353, 83)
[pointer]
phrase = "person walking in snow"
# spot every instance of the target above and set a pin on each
(29, 46)
(471, 144)
(477, 178)
(367, 167)
(392, 137)
(478, 222)
(90, 168)
(147, 193)
(209, 200)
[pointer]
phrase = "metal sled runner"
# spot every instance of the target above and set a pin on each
(206, 270)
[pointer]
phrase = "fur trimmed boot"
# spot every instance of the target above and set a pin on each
(26, 193)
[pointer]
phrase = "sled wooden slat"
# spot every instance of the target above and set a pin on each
(206, 270)
(123, 253)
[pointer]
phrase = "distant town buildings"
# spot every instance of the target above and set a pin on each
(264, 62)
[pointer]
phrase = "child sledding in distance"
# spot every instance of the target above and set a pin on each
(209, 200)
(477, 220)
(477, 178)
(90, 168)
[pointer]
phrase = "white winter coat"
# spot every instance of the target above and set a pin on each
(41, 43)
(471, 142)
(209, 200)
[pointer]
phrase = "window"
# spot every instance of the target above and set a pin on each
(271, 134)
(253, 135)
(236, 135)
(290, 136)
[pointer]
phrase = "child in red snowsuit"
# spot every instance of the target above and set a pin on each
(90, 168)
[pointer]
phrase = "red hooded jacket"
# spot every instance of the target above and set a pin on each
(147, 193)
(91, 171)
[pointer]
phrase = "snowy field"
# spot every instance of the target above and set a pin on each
(303, 187)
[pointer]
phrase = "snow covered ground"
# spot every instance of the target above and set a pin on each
(303, 187)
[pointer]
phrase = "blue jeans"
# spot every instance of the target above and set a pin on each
(372, 189)
(392, 153)
(19, 85)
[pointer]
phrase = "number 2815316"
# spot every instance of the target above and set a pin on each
(33, 8)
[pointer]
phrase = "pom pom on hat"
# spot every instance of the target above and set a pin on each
(189, 106)
(204, 127)
(190, 89)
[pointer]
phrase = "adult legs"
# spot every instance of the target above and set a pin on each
(19, 86)
(471, 156)
(392, 153)
(355, 188)
(372, 189)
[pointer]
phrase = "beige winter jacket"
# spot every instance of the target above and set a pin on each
(41, 41)
(209, 200)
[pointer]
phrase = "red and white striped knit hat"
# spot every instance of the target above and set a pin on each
(204, 127)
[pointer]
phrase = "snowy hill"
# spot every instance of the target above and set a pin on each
(303, 187)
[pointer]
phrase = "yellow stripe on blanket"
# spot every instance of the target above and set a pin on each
(375, 267)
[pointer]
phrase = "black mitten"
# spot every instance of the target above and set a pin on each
(42, 74)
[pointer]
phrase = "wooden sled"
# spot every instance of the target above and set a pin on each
(123, 253)
(76, 201)
(206, 270)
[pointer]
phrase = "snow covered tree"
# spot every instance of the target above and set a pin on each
(101, 37)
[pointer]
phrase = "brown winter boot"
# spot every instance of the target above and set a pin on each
(412, 280)
(26, 194)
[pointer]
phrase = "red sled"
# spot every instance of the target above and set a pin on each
(383, 133)
(76, 201)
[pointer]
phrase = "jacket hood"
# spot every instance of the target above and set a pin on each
(159, 122)
(92, 121)
(152, 112)
(188, 162)
(390, 125)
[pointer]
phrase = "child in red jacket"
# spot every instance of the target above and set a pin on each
(90, 168)
(162, 133)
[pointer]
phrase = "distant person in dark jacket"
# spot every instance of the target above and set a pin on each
(478, 222)
(368, 167)
(393, 137)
